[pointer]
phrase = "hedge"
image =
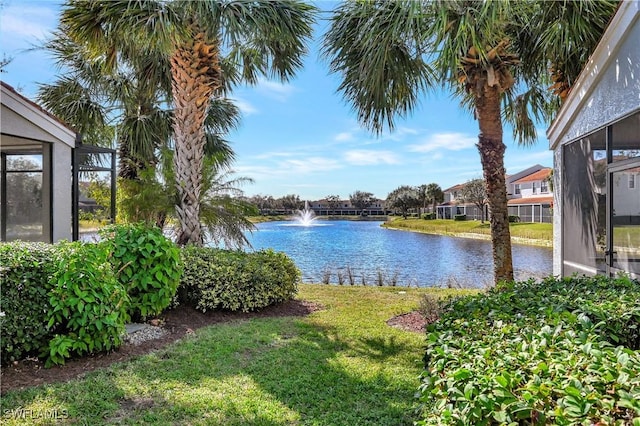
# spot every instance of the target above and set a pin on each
(560, 351)
(147, 264)
(89, 305)
(25, 273)
(222, 279)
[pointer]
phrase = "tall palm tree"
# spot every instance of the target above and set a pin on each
(210, 45)
(130, 101)
(389, 53)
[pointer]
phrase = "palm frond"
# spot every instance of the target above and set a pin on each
(376, 47)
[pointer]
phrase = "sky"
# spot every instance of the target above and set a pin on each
(302, 137)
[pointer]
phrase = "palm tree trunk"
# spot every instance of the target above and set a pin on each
(195, 74)
(492, 150)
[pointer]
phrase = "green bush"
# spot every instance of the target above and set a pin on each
(234, 280)
(514, 218)
(460, 217)
(536, 353)
(429, 216)
(147, 264)
(88, 304)
(25, 273)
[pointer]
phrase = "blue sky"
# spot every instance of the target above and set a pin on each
(302, 137)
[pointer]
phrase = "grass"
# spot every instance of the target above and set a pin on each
(339, 366)
(532, 233)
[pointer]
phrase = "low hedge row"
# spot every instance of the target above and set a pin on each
(75, 298)
(560, 351)
(234, 280)
(25, 273)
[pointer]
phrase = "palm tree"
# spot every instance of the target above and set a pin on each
(434, 195)
(389, 53)
(210, 45)
(123, 103)
(130, 101)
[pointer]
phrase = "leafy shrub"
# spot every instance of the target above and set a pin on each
(234, 280)
(25, 273)
(536, 353)
(147, 264)
(429, 216)
(460, 217)
(88, 304)
(514, 218)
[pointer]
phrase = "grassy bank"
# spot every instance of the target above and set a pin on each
(342, 365)
(527, 233)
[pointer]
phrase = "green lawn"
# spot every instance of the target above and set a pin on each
(340, 366)
(540, 233)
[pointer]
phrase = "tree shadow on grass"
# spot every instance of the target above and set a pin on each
(263, 372)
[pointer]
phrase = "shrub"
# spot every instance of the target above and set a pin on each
(88, 304)
(25, 273)
(429, 216)
(460, 217)
(514, 218)
(536, 353)
(147, 264)
(215, 278)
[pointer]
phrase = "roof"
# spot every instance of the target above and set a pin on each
(455, 187)
(36, 106)
(531, 200)
(536, 176)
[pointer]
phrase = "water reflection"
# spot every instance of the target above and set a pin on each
(351, 252)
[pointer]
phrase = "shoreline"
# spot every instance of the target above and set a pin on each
(475, 236)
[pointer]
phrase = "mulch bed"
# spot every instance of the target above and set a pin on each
(178, 323)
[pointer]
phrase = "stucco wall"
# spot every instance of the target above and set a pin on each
(617, 92)
(62, 200)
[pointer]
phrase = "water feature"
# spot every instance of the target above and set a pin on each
(306, 217)
(362, 250)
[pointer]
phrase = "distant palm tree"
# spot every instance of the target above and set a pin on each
(434, 195)
(388, 53)
(210, 45)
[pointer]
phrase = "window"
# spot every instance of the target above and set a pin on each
(544, 186)
(517, 189)
(533, 188)
(632, 181)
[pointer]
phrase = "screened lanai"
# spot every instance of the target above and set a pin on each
(40, 168)
(596, 142)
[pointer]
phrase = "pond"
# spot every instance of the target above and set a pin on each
(363, 251)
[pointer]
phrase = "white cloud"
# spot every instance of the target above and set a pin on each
(290, 168)
(344, 137)
(245, 106)
(445, 141)
(273, 89)
(365, 157)
(399, 134)
(30, 22)
(310, 165)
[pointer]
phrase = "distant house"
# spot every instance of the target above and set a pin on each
(530, 196)
(345, 208)
(596, 144)
(453, 205)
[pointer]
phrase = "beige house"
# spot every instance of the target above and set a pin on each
(40, 161)
(596, 144)
(36, 154)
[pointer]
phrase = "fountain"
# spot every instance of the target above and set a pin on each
(307, 216)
